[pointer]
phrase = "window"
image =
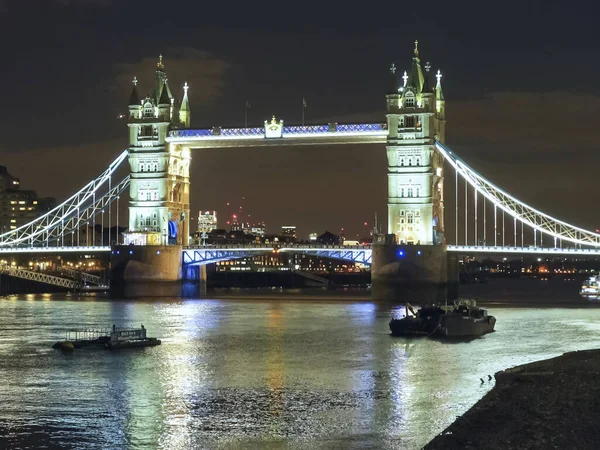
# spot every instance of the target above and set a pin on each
(410, 192)
(409, 122)
(402, 192)
(418, 161)
(402, 162)
(418, 189)
(148, 194)
(410, 161)
(409, 101)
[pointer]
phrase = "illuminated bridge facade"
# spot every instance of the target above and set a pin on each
(434, 197)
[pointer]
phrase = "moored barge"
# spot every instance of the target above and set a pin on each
(114, 338)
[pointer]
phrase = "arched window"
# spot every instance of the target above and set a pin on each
(402, 192)
(409, 100)
(418, 189)
(410, 192)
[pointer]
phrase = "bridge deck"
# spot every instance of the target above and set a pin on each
(367, 133)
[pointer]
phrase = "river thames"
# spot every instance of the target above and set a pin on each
(279, 372)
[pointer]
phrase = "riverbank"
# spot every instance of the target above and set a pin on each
(553, 403)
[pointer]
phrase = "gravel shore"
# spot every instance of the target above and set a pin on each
(551, 404)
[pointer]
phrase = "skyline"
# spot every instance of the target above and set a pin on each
(503, 93)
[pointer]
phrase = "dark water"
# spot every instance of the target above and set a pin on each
(253, 373)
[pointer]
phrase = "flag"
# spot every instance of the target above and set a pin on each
(303, 102)
(247, 104)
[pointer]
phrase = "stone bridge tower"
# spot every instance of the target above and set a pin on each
(415, 119)
(159, 204)
(411, 261)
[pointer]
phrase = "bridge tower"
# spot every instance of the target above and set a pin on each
(415, 119)
(411, 261)
(159, 188)
(159, 195)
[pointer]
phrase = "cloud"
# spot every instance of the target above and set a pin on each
(539, 124)
(203, 72)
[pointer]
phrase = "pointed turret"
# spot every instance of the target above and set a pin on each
(439, 95)
(160, 82)
(393, 89)
(135, 106)
(185, 113)
(428, 87)
(134, 98)
(415, 76)
(164, 97)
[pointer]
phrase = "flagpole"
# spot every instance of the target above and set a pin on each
(303, 108)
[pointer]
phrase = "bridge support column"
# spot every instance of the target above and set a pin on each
(145, 271)
(412, 273)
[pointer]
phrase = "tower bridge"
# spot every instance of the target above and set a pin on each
(422, 172)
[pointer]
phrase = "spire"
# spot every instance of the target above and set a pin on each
(427, 86)
(393, 79)
(160, 82)
(439, 95)
(164, 96)
(185, 112)
(134, 98)
(415, 76)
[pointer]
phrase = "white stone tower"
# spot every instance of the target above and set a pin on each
(159, 186)
(415, 119)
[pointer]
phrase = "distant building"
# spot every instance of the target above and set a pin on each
(312, 237)
(18, 207)
(289, 231)
(329, 238)
(207, 221)
(259, 229)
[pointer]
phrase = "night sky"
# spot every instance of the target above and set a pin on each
(520, 82)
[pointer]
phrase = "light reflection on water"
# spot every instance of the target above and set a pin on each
(253, 374)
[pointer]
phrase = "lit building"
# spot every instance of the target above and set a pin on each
(207, 221)
(259, 229)
(312, 237)
(415, 119)
(289, 231)
(19, 207)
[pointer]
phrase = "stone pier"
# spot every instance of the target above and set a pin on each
(145, 271)
(413, 273)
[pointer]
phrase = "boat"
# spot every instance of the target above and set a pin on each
(466, 320)
(462, 319)
(423, 322)
(115, 338)
(590, 288)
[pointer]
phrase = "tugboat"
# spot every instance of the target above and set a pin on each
(463, 319)
(105, 338)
